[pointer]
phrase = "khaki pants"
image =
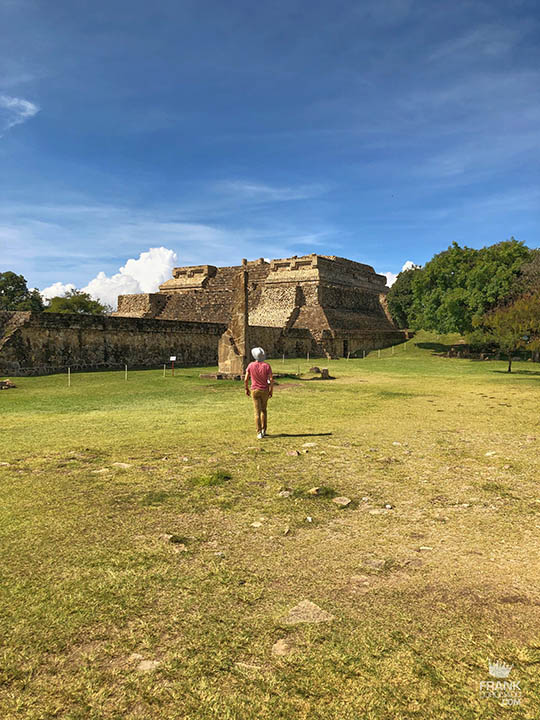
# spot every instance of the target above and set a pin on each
(260, 399)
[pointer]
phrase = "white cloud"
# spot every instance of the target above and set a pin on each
(57, 289)
(409, 265)
(139, 275)
(107, 289)
(392, 277)
(142, 275)
(14, 111)
(151, 268)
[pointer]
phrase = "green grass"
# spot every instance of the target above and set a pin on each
(90, 575)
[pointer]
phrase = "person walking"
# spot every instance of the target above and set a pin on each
(262, 388)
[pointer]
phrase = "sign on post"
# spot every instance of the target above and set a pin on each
(172, 359)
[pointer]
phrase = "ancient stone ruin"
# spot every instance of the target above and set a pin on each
(340, 303)
(319, 305)
(233, 348)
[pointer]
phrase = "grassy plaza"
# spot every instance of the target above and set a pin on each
(159, 586)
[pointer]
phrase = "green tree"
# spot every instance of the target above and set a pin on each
(458, 286)
(530, 274)
(400, 298)
(514, 326)
(15, 295)
(77, 302)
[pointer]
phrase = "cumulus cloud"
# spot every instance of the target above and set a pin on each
(57, 289)
(143, 274)
(409, 265)
(392, 277)
(139, 275)
(14, 111)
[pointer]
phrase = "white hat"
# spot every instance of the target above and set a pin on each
(259, 354)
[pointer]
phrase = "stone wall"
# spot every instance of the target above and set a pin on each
(324, 305)
(42, 343)
(277, 342)
(46, 342)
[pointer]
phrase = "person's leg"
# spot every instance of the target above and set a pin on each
(263, 413)
(255, 394)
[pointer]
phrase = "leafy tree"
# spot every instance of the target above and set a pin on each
(15, 295)
(513, 327)
(530, 274)
(458, 286)
(77, 302)
(400, 298)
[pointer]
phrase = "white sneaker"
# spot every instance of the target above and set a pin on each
(260, 436)
(263, 433)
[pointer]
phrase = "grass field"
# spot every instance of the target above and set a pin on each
(423, 594)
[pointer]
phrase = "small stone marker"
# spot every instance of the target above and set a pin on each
(375, 564)
(342, 501)
(256, 524)
(359, 580)
(284, 493)
(283, 647)
(147, 665)
(293, 453)
(247, 666)
(123, 465)
(100, 472)
(309, 444)
(425, 547)
(491, 453)
(307, 612)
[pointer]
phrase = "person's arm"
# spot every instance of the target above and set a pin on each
(246, 382)
(271, 388)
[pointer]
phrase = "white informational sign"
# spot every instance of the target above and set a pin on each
(172, 358)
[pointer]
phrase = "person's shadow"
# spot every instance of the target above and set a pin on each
(300, 435)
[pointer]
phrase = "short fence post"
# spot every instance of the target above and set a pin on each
(379, 354)
(308, 356)
(392, 349)
(164, 370)
(125, 371)
(69, 377)
(363, 354)
(283, 358)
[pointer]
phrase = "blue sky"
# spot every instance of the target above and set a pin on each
(379, 130)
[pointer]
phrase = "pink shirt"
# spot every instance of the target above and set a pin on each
(260, 373)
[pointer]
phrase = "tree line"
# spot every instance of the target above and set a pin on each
(15, 295)
(490, 295)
